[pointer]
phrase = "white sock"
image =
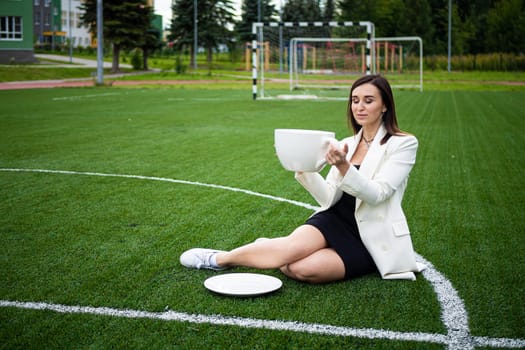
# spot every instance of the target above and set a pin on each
(213, 260)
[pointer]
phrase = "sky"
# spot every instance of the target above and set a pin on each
(163, 8)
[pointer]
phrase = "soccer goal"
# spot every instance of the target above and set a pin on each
(321, 60)
(275, 51)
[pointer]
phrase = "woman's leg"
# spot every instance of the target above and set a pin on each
(323, 266)
(277, 252)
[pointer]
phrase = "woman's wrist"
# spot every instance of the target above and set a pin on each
(343, 167)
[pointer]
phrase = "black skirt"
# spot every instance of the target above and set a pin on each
(339, 228)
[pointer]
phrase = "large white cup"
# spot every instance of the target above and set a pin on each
(302, 150)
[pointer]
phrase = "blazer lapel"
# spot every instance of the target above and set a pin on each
(353, 143)
(373, 157)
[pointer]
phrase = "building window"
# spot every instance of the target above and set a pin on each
(10, 28)
(37, 2)
(47, 3)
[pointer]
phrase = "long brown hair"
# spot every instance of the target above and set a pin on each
(389, 117)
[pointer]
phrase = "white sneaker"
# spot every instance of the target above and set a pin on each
(200, 258)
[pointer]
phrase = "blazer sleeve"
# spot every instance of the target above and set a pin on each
(397, 161)
(324, 192)
(393, 170)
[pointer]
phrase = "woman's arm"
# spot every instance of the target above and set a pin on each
(322, 191)
(399, 158)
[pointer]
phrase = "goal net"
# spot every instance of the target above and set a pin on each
(321, 60)
(277, 55)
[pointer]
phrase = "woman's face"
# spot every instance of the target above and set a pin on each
(367, 105)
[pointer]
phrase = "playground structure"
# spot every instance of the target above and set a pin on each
(392, 55)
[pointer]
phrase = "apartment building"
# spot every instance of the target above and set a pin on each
(16, 31)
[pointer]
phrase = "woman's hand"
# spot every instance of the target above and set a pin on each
(337, 157)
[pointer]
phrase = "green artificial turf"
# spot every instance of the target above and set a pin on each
(114, 242)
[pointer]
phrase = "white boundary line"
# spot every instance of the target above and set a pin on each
(292, 326)
(313, 328)
(85, 96)
(453, 313)
(233, 189)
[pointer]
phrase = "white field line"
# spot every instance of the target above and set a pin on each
(201, 99)
(233, 189)
(292, 326)
(85, 96)
(453, 312)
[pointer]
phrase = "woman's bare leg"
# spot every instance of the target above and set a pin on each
(323, 266)
(276, 252)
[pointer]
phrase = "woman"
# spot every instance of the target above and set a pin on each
(360, 227)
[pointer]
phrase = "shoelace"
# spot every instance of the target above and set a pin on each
(204, 260)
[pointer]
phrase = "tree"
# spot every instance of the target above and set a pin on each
(474, 13)
(249, 14)
(329, 11)
(477, 25)
(505, 27)
(181, 29)
(213, 18)
(415, 21)
(219, 15)
(359, 10)
(438, 42)
(150, 41)
(125, 23)
(302, 11)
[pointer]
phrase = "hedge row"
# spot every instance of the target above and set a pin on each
(484, 62)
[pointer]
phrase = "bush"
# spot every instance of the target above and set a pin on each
(180, 67)
(136, 60)
(482, 62)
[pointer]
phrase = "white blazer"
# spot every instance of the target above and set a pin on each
(378, 186)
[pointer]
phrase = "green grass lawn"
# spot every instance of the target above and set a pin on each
(23, 73)
(225, 73)
(115, 242)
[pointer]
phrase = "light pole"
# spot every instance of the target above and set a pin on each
(52, 27)
(195, 29)
(449, 33)
(69, 30)
(41, 24)
(281, 48)
(100, 49)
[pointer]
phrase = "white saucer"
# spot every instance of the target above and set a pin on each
(243, 284)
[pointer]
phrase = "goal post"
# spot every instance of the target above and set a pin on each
(280, 46)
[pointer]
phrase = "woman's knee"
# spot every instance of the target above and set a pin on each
(321, 267)
(300, 272)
